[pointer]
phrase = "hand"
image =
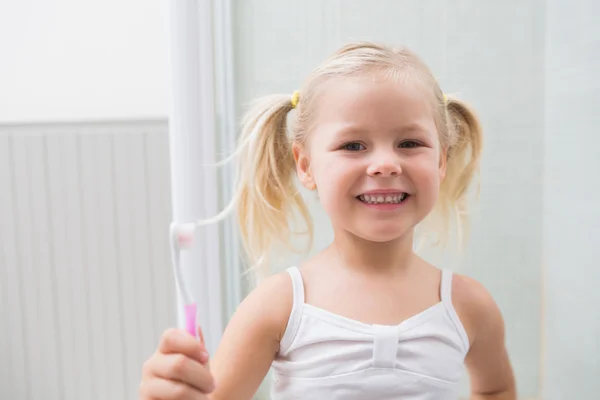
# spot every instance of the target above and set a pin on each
(178, 369)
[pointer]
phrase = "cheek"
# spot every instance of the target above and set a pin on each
(328, 184)
(427, 174)
(334, 183)
(322, 170)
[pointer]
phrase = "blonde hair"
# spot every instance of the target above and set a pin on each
(266, 196)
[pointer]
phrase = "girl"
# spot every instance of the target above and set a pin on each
(366, 318)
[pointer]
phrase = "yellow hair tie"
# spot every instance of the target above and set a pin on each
(295, 98)
(445, 99)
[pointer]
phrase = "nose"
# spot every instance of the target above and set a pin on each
(385, 167)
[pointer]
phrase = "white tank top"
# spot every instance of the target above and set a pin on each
(327, 356)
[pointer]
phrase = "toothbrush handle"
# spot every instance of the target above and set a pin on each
(190, 319)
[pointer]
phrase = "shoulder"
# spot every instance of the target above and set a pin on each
(252, 338)
(270, 303)
(475, 306)
(487, 360)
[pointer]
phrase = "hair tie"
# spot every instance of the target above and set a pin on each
(295, 98)
(445, 98)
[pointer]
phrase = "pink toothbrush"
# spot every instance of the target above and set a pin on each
(182, 236)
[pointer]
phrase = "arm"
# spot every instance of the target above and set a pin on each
(487, 361)
(251, 340)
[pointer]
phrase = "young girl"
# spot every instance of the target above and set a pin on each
(366, 318)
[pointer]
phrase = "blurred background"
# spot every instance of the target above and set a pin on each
(86, 91)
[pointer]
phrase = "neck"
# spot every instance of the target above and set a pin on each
(364, 255)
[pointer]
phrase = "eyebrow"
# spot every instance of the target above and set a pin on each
(350, 130)
(413, 128)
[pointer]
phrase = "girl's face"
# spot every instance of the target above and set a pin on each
(374, 156)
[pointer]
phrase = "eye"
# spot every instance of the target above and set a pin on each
(353, 146)
(409, 144)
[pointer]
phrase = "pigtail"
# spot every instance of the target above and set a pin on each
(265, 191)
(463, 154)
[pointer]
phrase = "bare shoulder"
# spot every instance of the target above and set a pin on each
(271, 302)
(474, 305)
(487, 360)
(251, 340)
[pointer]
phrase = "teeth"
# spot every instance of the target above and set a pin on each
(381, 199)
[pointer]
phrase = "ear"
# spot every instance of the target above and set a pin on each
(443, 163)
(303, 167)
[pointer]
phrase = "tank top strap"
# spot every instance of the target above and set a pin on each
(297, 284)
(446, 296)
(446, 286)
(296, 313)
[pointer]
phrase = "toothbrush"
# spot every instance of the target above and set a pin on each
(181, 237)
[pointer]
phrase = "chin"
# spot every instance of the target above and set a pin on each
(383, 236)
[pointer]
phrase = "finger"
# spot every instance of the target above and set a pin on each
(201, 336)
(178, 342)
(163, 389)
(203, 342)
(177, 367)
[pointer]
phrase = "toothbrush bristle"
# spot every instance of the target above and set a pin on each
(185, 239)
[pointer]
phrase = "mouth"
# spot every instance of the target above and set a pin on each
(387, 198)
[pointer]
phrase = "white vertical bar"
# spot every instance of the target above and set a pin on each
(146, 301)
(7, 297)
(158, 186)
(75, 232)
(127, 286)
(47, 220)
(224, 76)
(63, 211)
(192, 146)
(32, 349)
(92, 264)
(110, 270)
(39, 288)
(15, 360)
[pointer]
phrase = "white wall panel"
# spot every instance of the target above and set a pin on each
(86, 282)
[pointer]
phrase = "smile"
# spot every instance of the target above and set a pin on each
(390, 198)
